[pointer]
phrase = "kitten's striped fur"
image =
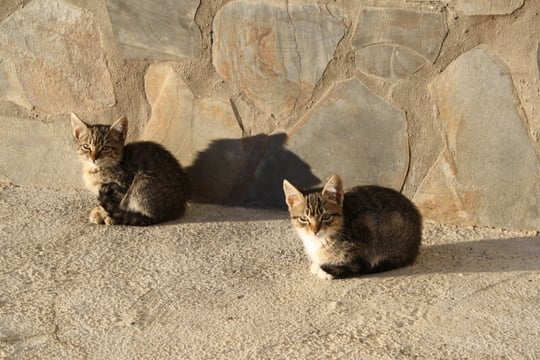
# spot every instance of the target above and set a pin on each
(140, 183)
(367, 229)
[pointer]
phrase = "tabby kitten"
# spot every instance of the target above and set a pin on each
(140, 183)
(365, 230)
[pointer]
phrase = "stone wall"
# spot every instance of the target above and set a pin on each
(438, 99)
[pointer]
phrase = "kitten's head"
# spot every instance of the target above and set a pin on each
(316, 213)
(99, 145)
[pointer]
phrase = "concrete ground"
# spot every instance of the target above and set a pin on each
(233, 283)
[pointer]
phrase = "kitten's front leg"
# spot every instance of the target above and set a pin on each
(316, 270)
(110, 195)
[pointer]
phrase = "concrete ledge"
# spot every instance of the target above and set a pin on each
(234, 283)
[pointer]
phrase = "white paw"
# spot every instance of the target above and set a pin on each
(316, 270)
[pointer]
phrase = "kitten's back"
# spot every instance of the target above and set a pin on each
(160, 184)
(387, 221)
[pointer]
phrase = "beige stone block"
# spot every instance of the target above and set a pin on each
(52, 59)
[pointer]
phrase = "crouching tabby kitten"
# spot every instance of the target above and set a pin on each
(140, 183)
(367, 229)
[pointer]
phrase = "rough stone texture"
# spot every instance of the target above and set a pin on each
(52, 59)
(488, 7)
(275, 52)
(38, 154)
(233, 283)
(489, 172)
(354, 133)
(395, 43)
(160, 29)
(231, 91)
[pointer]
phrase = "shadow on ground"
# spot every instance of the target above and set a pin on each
(490, 255)
(480, 256)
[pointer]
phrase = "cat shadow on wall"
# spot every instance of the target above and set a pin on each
(247, 172)
(479, 256)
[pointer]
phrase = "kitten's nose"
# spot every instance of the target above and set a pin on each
(316, 228)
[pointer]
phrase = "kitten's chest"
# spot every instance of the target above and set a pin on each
(95, 178)
(312, 244)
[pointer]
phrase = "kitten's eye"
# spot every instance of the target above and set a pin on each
(303, 219)
(327, 218)
(106, 148)
(85, 147)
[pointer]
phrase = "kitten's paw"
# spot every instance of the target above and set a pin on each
(98, 215)
(320, 273)
(109, 220)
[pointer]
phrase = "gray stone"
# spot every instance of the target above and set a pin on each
(356, 134)
(395, 43)
(162, 29)
(489, 173)
(52, 59)
(38, 154)
(391, 62)
(276, 53)
(488, 7)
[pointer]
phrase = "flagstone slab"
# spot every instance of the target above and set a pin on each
(489, 172)
(158, 29)
(354, 133)
(275, 52)
(52, 59)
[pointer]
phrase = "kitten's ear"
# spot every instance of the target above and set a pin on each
(333, 190)
(120, 126)
(77, 125)
(292, 195)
